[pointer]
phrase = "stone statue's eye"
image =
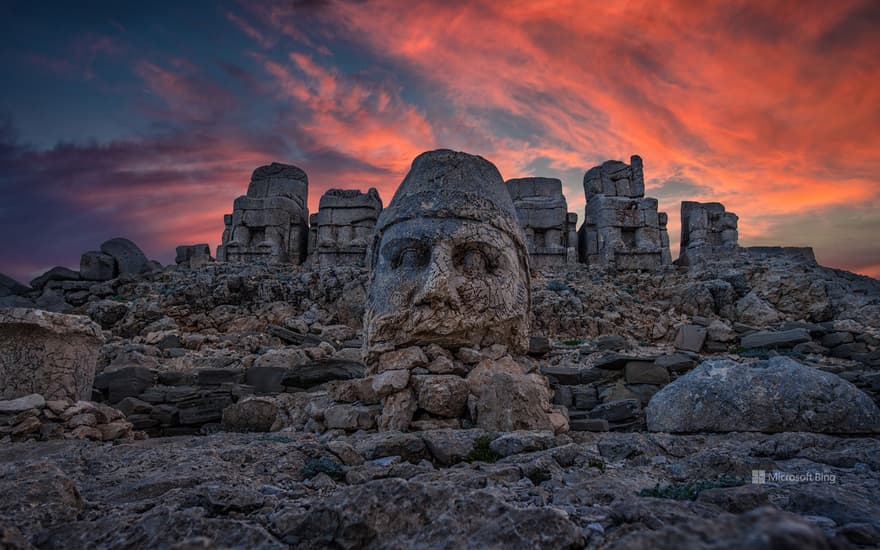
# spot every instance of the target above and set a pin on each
(411, 257)
(474, 262)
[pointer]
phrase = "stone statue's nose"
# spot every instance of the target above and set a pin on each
(439, 286)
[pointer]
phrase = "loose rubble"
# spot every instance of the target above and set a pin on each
(443, 372)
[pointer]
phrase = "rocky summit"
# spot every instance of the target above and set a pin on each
(462, 368)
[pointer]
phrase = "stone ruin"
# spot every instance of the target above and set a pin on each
(622, 227)
(450, 277)
(706, 231)
(550, 230)
(343, 226)
(270, 223)
(46, 353)
(193, 255)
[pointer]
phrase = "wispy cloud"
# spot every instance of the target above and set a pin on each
(771, 109)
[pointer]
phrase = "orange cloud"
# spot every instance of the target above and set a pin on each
(772, 108)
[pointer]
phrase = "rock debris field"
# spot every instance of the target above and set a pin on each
(463, 367)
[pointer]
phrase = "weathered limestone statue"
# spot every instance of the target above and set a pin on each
(449, 261)
(622, 227)
(270, 223)
(542, 212)
(52, 354)
(706, 230)
(448, 306)
(345, 222)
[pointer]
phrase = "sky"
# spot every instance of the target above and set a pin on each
(145, 120)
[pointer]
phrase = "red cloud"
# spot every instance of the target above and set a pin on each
(772, 108)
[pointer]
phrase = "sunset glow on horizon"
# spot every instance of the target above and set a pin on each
(147, 122)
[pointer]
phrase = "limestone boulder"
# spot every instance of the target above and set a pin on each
(776, 395)
(97, 266)
(130, 260)
(11, 287)
(107, 312)
(21, 404)
(509, 402)
(754, 310)
(443, 395)
(57, 273)
(52, 354)
(251, 414)
(397, 411)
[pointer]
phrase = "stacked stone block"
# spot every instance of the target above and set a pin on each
(542, 212)
(270, 222)
(622, 227)
(706, 230)
(343, 226)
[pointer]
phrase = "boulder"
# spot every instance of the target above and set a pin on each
(21, 404)
(402, 359)
(53, 301)
(507, 402)
(539, 346)
(450, 446)
(125, 382)
(442, 395)
(777, 395)
(407, 446)
(130, 260)
(282, 359)
(52, 354)
(97, 266)
(389, 381)
(397, 411)
(11, 287)
(57, 273)
(107, 312)
(351, 417)
(251, 414)
(754, 310)
(619, 410)
(690, 338)
(642, 372)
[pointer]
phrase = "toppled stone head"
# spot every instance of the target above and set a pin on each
(449, 260)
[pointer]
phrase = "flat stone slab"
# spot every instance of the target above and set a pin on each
(771, 339)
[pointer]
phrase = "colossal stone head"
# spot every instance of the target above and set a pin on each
(448, 259)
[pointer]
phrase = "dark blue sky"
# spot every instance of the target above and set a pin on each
(145, 121)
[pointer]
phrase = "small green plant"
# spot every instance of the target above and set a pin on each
(323, 465)
(539, 476)
(573, 342)
(482, 452)
(596, 463)
(689, 491)
(119, 298)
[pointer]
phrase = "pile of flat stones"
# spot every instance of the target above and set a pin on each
(33, 417)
